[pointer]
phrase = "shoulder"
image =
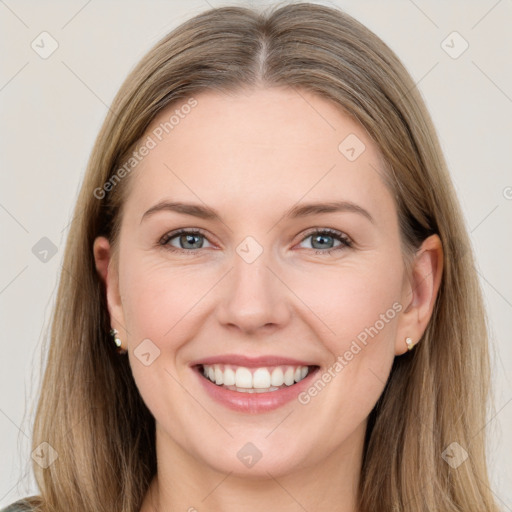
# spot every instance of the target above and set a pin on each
(19, 506)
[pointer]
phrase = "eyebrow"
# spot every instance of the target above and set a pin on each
(205, 212)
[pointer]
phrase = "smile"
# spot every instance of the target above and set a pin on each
(253, 385)
(254, 380)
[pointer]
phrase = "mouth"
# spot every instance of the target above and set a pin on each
(265, 379)
(253, 388)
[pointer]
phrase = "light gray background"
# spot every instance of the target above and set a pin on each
(51, 111)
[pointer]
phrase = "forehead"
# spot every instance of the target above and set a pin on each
(256, 149)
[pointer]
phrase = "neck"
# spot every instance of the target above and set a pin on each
(184, 483)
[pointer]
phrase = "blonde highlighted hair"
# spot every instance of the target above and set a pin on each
(90, 410)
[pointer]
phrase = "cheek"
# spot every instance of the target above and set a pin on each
(354, 303)
(158, 305)
(361, 306)
(156, 296)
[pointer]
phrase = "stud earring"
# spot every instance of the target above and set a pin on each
(117, 341)
(410, 344)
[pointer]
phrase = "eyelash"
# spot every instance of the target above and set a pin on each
(345, 241)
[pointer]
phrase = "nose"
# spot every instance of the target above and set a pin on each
(253, 297)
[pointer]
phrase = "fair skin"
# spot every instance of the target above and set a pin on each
(251, 156)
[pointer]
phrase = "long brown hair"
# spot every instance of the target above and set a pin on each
(90, 410)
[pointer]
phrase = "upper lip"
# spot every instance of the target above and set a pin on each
(250, 362)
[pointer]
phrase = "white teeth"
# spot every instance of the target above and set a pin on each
(278, 377)
(289, 375)
(254, 380)
(229, 377)
(219, 376)
(261, 378)
(243, 378)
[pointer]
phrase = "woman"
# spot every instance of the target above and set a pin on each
(267, 299)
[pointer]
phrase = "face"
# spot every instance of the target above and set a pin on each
(289, 269)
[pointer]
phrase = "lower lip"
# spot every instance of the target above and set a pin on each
(254, 403)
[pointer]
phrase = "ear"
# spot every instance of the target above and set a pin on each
(419, 292)
(109, 274)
